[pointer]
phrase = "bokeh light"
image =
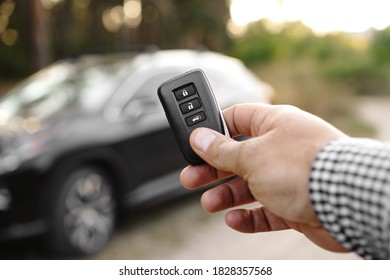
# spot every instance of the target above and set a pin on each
(128, 15)
(50, 4)
(8, 36)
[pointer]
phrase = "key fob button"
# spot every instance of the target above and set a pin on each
(197, 118)
(190, 106)
(185, 92)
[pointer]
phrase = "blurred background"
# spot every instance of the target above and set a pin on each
(330, 58)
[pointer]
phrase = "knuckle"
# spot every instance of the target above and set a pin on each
(221, 150)
(233, 155)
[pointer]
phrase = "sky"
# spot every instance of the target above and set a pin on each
(321, 15)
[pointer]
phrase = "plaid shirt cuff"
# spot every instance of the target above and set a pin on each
(350, 192)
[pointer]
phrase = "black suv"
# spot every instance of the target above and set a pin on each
(86, 138)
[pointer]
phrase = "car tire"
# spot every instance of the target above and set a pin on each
(83, 212)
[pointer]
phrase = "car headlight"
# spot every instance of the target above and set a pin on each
(5, 199)
(19, 151)
(9, 163)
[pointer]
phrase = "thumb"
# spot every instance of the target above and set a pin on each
(216, 149)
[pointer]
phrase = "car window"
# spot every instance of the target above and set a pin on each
(61, 88)
(149, 87)
(36, 89)
(96, 84)
(235, 79)
(145, 99)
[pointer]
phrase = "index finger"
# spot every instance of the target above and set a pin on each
(246, 119)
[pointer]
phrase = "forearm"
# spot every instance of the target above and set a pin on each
(350, 192)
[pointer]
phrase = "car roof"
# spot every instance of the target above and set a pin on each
(178, 58)
(192, 57)
(231, 70)
(182, 60)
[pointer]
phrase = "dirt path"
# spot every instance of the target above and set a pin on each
(183, 230)
(377, 111)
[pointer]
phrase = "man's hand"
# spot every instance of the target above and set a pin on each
(273, 167)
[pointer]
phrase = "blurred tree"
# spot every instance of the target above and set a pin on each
(13, 55)
(264, 42)
(53, 29)
(199, 22)
(258, 44)
(37, 35)
(356, 62)
(380, 47)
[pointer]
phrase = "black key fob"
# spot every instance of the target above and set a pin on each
(189, 102)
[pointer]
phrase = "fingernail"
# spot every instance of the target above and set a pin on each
(203, 139)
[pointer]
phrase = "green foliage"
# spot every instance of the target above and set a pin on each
(261, 45)
(292, 41)
(359, 73)
(360, 63)
(380, 47)
(320, 74)
(300, 83)
(258, 45)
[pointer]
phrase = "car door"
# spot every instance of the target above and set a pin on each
(151, 151)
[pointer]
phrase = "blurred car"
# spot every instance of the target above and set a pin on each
(86, 139)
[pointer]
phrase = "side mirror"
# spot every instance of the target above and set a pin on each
(140, 106)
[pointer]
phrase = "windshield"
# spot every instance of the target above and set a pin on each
(62, 88)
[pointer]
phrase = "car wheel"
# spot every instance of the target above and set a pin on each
(83, 213)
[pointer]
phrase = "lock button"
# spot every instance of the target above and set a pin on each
(190, 106)
(184, 92)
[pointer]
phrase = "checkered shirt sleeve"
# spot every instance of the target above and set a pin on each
(350, 192)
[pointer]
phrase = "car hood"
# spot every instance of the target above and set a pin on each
(30, 138)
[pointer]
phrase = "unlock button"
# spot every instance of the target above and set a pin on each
(190, 106)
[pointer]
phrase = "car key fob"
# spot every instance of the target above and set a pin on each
(189, 103)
